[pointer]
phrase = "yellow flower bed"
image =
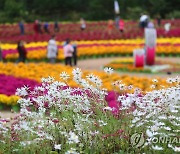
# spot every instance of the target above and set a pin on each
(9, 100)
(39, 70)
(164, 46)
(124, 60)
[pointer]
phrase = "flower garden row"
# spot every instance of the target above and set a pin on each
(38, 50)
(13, 76)
(94, 31)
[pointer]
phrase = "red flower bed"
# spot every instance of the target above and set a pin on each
(94, 31)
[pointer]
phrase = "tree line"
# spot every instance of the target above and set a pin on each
(73, 10)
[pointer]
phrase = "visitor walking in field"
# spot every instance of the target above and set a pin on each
(121, 25)
(158, 19)
(22, 51)
(56, 26)
(75, 54)
(150, 24)
(83, 24)
(35, 27)
(46, 27)
(110, 27)
(143, 21)
(52, 50)
(21, 27)
(68, 52)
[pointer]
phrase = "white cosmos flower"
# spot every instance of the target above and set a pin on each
(57, 146)
(22, 91)
(176, 149)
(96, 80)
(98, 83)
(48, 80)
(155, 80)
(73, 138)
(167, 128)
(90, 77)
(108, 70)
(130, 87)
(149, 133)
(136, 119)
(157, 148)
(117, 83)
(121, 98)
(107, 108)
(162, 117)
(177, 79)
(102, 123)
(39, 88)
(153, 86)
(71, 151)
(57, 83)
(169, 80)
(77, 72)
(122, 86)
(64, 76)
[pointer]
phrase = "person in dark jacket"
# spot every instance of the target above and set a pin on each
(22, 52)
(46, 27)
(21, 27)
(75, 54)
(56, 26)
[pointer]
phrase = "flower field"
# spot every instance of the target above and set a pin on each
(63, 109)
(17, 75)
(37, 50)
(87, 120)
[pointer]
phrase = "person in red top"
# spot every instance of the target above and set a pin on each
(121, 25)
(35, 27)
(110, 27)
(22, 52)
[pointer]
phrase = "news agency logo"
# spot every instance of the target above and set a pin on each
(138, 140)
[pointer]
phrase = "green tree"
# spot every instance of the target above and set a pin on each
(14, 8)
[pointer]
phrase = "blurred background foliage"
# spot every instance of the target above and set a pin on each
(73, 10)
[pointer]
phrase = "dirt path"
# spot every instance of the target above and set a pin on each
(7, 114)
(97, 64)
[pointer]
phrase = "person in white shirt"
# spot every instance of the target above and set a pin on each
(167, 27)
(68, 52)
(52, 50)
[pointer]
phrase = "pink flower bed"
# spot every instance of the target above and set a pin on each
(9, 84)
